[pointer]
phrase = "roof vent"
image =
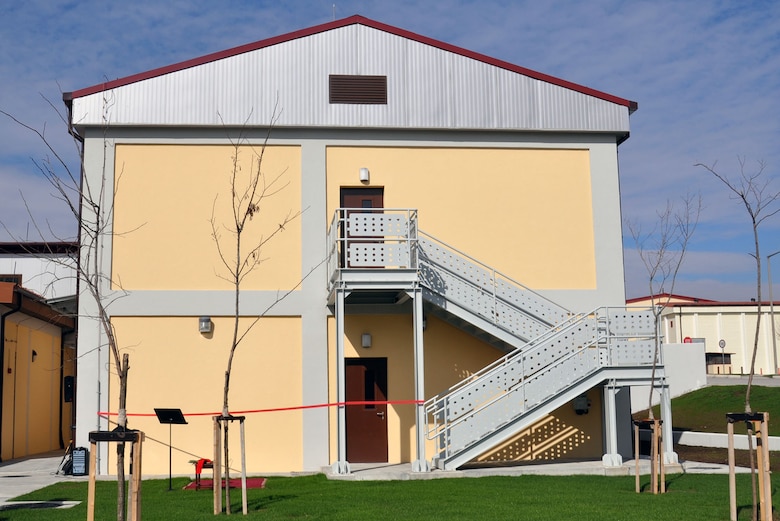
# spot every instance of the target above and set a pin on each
(363, 90)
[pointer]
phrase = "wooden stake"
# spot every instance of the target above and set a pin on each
(216, 468)
(91, 489)
(636, 456)
(760, 469)
(245, 509)
(661, 459)
(135, 484)
(654, 458)
(732, 475)
(765, 469)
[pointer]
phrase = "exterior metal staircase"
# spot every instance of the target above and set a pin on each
(480, 295)
(555, 355)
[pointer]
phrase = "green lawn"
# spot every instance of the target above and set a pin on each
(690, 497)
(705, 410)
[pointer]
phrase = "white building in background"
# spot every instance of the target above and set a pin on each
(47, 269)
(727, 330)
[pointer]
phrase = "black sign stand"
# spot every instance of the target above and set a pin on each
(171, 417)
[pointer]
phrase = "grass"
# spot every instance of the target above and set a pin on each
(689, 497)
(585, 498)
(705, 410)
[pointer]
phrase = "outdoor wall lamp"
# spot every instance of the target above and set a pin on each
(205, 325)
(365, 340)
(34, 355)
(364, 175)
(581, 404)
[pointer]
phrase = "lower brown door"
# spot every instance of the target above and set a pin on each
(366, 381)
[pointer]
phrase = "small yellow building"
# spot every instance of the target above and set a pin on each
(440, 277)
(727, 330)
(36, 377)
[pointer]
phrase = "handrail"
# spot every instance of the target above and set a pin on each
(602, 314)
(529, 349)
(495, 273)
(522, 384)
(404, 233)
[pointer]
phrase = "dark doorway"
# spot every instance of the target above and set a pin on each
(362, 197)
(366, 381)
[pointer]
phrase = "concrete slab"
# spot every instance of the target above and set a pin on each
(403, 471)
(18, 477)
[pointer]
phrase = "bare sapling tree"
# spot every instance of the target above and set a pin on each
(753, 189)
(662, 252)
(240, 244)
(89, 199)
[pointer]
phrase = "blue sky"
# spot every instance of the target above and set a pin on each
(706, 76)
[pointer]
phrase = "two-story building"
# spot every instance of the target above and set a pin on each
(451, 292)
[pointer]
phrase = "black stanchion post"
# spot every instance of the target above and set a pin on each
(171, 417)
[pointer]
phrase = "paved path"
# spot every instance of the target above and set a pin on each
(22, 476)
(764, 381)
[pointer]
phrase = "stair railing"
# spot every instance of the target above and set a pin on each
(361, 238)
(606, 337)
(485, 291)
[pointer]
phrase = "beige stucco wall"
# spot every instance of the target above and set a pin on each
(450, 356)
(560, 436)
(174, 366)
(522, 211)
(165, 196)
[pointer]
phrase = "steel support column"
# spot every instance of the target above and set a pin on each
(420, 464)
(611, 457)
(341, 466)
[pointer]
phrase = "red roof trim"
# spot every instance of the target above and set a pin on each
(672, 296)
(356, 19)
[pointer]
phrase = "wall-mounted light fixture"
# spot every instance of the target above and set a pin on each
(205, 325)
(364, 175)
(365, 340)
(34, 355)
(425, 322)
(581, 404)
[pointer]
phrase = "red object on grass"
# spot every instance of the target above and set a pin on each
(206, 484)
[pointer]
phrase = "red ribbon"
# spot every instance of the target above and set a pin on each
(279, 409)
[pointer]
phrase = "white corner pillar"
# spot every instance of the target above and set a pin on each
(420, 464)
(670, 456)
(341, 466)
(611, 457)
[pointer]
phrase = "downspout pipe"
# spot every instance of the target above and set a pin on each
(15, 309)
(67, 98)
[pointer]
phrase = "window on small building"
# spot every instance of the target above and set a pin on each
(360, 90)
(718, 358)
(718, 363)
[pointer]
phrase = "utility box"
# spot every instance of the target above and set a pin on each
(80, 458)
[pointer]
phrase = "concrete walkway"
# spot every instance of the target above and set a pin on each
(22, 476)
(759, 380)
(403, 471)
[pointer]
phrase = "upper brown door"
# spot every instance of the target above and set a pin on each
(366, 381)
(360, 198)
